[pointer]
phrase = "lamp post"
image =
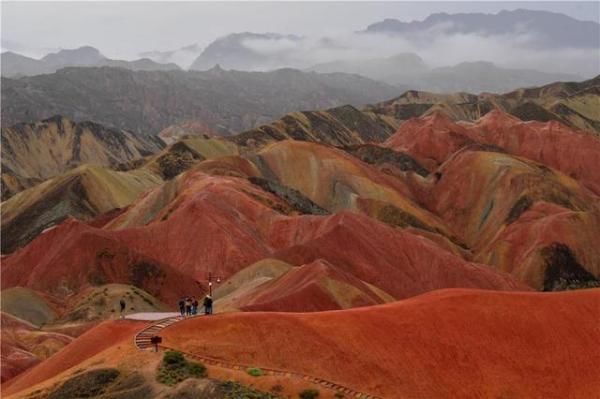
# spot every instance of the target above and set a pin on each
(212, 278)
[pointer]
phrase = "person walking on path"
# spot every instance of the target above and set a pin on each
(122, 304)
(194, 306)
(188, 306)
(182, 306)
(208, 303)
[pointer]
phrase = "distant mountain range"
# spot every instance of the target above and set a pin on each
(146, 102)
(546, 29)
(536, 30)
(409, 70)
(539, 33)
(16, 65)
(403, 70)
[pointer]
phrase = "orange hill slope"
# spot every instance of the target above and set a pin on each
(451, 343)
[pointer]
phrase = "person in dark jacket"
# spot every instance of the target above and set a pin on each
(182, 306)
(188, 306)
(122, 304)
(194, 306)
(208, 303)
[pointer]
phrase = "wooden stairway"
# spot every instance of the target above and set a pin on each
(142, 339)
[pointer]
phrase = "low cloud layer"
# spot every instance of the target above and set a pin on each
(436, 48)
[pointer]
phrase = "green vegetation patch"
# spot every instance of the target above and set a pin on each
(87, 385)
(234, 390)
(255, 371)
(106, 383)
(176, 368)
(309, 394)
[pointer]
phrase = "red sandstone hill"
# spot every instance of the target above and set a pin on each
(316, 286)
(74, 256)
(451, 343)
(233, 211)
(224, 224)
(434, 138)
(244, 221)
(492, 171)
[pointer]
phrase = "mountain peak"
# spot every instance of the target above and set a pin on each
(83, 50)
(82, 56)
(542, 25)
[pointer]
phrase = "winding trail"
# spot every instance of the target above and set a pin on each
(142, 342)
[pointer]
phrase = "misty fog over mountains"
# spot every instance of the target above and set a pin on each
(473, 52)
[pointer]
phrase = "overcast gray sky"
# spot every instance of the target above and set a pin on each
(123, 30)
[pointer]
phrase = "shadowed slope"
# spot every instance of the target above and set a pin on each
(339, 126)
